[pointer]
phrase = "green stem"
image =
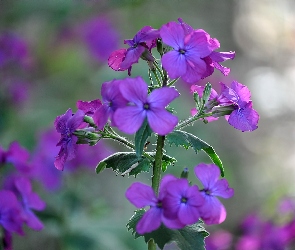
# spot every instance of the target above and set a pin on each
(159, 70)
(157, 77)
(157, 168)
(172, 82)
(191, 120)
(151, 245)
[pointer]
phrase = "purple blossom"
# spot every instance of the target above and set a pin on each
(219, 240)
(142, 43)
(130, 118)
(112, 99)
(244, 117)
(212, 211)
(100, 37)
(43, 160)
(10, 212)
(142, 195)
(13, 50)
(29, 200)
(18, 156)
(185, 59)
(66, 124)
(182, 201)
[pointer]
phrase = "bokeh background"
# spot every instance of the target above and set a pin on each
(60, 56)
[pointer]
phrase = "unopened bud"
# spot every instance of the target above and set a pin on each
(184, 173)
(219, 111)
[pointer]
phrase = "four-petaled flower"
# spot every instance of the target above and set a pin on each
(141, 106)
(212, 211)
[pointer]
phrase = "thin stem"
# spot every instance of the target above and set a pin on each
(191, 120)
(151, 245)
(157, 168)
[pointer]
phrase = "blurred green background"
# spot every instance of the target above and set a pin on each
(62, 69)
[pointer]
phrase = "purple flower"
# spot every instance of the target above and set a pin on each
(10, 212)
(29, 200)
(244, 117)
(219, 240)
(142, 195)
(130, 118)
(19, 157)
(142, 43)
(182, 201)
(185, 59)
(212, 211)
(100, 37)
(66, 124)
(112, 99)
(13, 50)
(43, 160)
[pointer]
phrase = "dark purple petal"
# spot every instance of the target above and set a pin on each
(188, 214)
(141, 195)
(10, 212)
(224, 70)
(75, 121)
(186, 28)
(146, 34)
(60, 122)
(160, 98)
(100, 116)
(221, 188)
(33, 221)
(173, 224)
(174, 63)
(213, 211)
(89, 107)
(61, 158)
(208, 174)
(161, 121)
(172, 34)
(244, 119)
(150, 221)
(18, 156)
(116, 58)
(129, 119)
(132, 56)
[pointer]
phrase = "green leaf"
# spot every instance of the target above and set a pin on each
(187, 140)
(188, 238)
(123, 163)
(141, 136)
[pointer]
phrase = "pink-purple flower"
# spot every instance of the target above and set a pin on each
(142, 43)
(182, 201)
(185, 58)
(66, 125)
(143, 106)
(112, 99)
(212, 211)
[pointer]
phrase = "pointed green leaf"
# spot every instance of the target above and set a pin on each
(188, 238)
(141, 136)
(187, 140)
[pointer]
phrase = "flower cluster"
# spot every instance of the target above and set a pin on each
(191, 56)
(179, 203)
(17, 199)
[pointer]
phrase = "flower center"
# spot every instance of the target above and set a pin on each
(146, 106)
(183, 200)
(182, 51)
(159, 204)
